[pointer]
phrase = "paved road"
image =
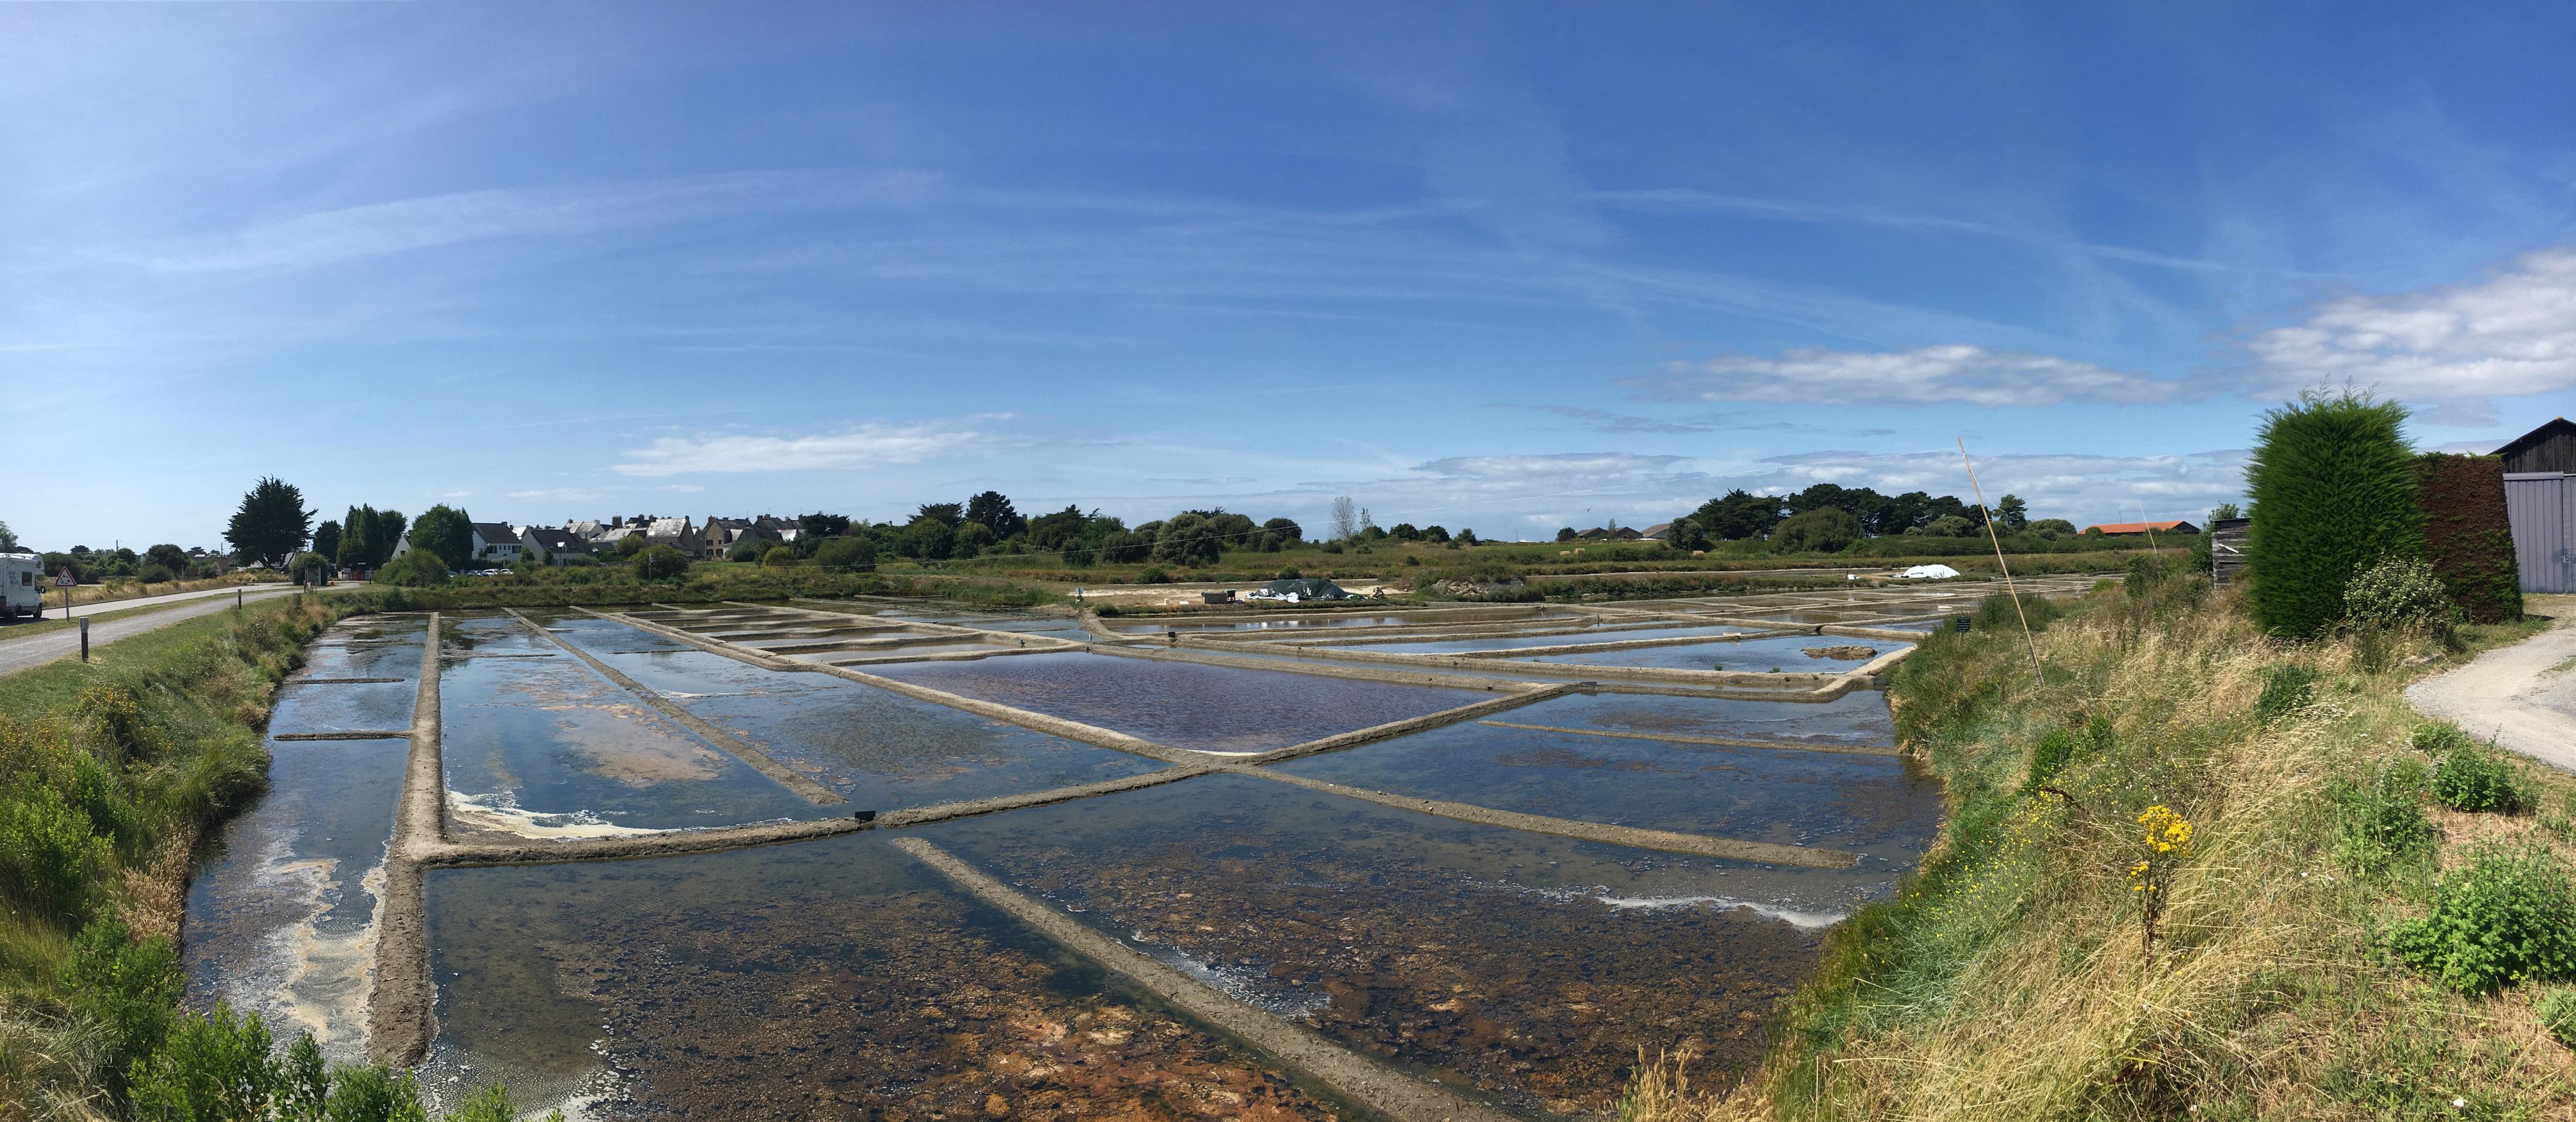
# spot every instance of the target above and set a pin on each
(2516, 694)
(37, 650)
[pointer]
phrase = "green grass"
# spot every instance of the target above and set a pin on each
(2009, 977)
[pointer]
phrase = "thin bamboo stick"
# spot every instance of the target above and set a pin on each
(2000, 563)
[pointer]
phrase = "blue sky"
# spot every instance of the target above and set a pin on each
(1500, 266)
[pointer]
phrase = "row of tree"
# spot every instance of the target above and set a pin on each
(1828, 517)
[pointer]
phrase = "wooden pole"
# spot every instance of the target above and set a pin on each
(2150, 528)
(2000, 563)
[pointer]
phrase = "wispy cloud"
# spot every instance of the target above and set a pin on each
(1956, 372)
(1603, 420)
(377, 229)
(871, 444)
(567, 494)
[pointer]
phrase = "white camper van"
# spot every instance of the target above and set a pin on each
(22, 585)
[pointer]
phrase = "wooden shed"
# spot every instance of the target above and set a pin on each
(2227, 549)
(2551, 447)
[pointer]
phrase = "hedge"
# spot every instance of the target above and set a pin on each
(2466, 535)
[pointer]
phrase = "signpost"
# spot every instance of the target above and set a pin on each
(84, 638)
(65, 580)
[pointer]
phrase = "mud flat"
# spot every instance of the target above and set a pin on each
(1522, 968)
(835, 979)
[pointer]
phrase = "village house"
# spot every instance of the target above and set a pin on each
(558, 547)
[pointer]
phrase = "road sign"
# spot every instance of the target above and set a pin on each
(65, 580)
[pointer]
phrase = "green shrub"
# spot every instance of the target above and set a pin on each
(209, 1069)
(1996, 612)
(372, 1093)
(662, 562)
(846, 555)
(1289, 572)
(2474, 777)
(2382, 818)
(51, 861)
(1153, 575)
(2055, 751)
(745, 551)
(2396, 594)
(418, 568)
(779, 557)
(130, 989)
(2287, 688)
(1822, 530)
(2557, 1009)
(2334, 490)
(2506, 918)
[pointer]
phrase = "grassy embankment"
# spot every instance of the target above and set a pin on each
(111, 773)
(2009, 979)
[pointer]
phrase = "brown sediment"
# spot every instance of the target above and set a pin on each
(1720, 741)
(401, 1007)
(381, 734)
(804, 786)
(1367, 1081)
(1633, 837)
(337, 681)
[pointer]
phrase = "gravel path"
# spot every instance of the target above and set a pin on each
(2518, 695)
(37, 650)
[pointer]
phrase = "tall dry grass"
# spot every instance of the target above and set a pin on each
(2009, 980)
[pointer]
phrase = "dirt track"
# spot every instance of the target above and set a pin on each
(2517, 694)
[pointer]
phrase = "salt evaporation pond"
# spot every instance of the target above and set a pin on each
(1517, 642)
(282, 908)
(1526, 968)
(880, 749)
(1181, 704)
(839, 977)
(1883, 806)
(1788, 654)
(546, 747)
(834, 979)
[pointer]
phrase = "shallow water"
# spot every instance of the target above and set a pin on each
(1880, 805)
(1185, 705)
(1528, 967)
(1788, 654)
(549, 748)
(879, 748)
(1516, 642)
(1291, 622)
(833, 979)
(1858, 717)
(282, 907)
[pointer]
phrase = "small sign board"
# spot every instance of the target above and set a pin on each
(65, 580)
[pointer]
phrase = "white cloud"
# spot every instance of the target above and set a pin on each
(564, 493)
(2512, 333)
(1953, 372)
(866, 445)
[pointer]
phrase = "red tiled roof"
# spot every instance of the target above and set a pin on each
(2136, 527)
